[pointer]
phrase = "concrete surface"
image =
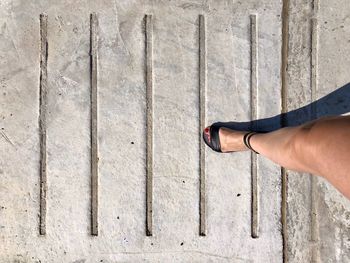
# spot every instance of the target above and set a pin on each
(122, 132)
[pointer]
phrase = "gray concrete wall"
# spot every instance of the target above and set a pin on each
(122, 132)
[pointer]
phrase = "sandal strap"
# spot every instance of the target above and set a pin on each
(246, 140)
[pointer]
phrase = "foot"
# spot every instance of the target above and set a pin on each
(230, 140)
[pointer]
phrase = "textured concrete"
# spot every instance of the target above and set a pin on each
(122, 132)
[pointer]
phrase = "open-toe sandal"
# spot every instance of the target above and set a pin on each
(212, 139)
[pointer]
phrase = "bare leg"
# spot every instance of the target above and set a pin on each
(320, 147)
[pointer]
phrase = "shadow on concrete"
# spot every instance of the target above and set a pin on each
(335, 103)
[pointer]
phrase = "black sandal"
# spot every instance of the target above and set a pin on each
(213, 140)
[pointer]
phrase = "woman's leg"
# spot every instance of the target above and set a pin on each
(320, 147)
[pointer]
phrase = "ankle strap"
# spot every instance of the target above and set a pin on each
(246, 140)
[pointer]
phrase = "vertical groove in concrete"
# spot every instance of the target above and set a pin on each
(93, 127)
(149, 123)
(315, 6)
(284, 108)
(202, 122)
(42, 121)
(253, 107)
(314, 57)
(313, 179)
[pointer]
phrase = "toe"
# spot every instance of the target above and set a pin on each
(206, 133)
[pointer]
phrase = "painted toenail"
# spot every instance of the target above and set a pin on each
(207, 132)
